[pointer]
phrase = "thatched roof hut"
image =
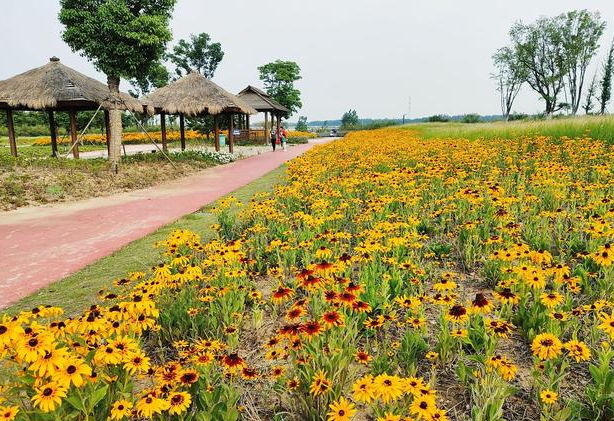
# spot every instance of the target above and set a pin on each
(57, 87)
(195, 95)
(261, 101)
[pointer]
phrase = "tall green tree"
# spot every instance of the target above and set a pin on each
(349, 120)
(591, 93)
(278, 78)
(605, 86)
(198, 53)
(580, 32)
(301, 126)
(538, 47)
(509, 75)
(156, 78)
(122, 38)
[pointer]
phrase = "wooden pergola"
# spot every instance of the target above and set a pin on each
(55, 87)
(263, 103)
(196, 96)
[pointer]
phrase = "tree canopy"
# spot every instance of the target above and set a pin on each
(301, 126)
(278, 78)
(122, 38)
(349, 119)
(198, 53)
(552, 56)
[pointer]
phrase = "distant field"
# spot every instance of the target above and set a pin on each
(596, 127)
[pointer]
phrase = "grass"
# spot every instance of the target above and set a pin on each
(596, 127)
(136, 256)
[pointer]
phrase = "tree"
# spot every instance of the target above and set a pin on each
(198, 53)
(591, 92)
(279, 78)
(144, 84)
(606, 81)
(509, 74)
(539, 49)
(349, 120)
(122, 38)
(580, 33)
(301, 126)
(471, 118)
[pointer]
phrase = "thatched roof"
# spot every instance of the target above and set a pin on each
(261, 101)
(195, 95)
(55, 86)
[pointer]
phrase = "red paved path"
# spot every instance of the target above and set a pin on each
(41, 245)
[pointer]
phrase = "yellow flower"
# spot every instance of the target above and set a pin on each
(548, 396)
(546, 346)
(341, 410)
(388, 388)
(74, 372)
(578, 350)
(49, 396)
(320, 384)
(121, 409)
(179, 402)
(607, 323)
(150, 405)
(423, 407)
(8, 413)
(363, 389)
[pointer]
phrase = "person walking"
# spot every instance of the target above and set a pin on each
(273, 138)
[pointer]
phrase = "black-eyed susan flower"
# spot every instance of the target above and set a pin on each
(363, 389)
(319, 384)
(8, 413)
(578, 350)
(548, 397)
(546, 346)
(150, 405)
(341, 410)
(49, 396)
(121, 409)
(178, 402)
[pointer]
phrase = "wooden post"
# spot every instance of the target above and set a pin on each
(54, 135)
(216, 131)
(107, 131)
(266, 126)
(11, 127)
(73, 133)
(182, 131)
(163, 130)
(278, 125)
(247, 127)
(231, 136)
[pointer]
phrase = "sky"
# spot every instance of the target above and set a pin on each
(375, 56)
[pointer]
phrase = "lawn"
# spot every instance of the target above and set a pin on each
(596, 127)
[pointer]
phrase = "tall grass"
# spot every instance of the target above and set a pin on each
(596, 127)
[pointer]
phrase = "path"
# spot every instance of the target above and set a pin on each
(41, 245)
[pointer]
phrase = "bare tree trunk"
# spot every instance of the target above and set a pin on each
(115, 125)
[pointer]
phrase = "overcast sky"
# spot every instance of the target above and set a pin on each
(371, 55)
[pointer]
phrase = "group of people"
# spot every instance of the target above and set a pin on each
(280, 138)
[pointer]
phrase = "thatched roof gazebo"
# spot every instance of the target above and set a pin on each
(56, 87)
(263, 103)
(195, 95)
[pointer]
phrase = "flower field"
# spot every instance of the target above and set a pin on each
(389, 278)
(171, 136)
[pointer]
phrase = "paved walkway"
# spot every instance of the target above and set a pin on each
(41, 245)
